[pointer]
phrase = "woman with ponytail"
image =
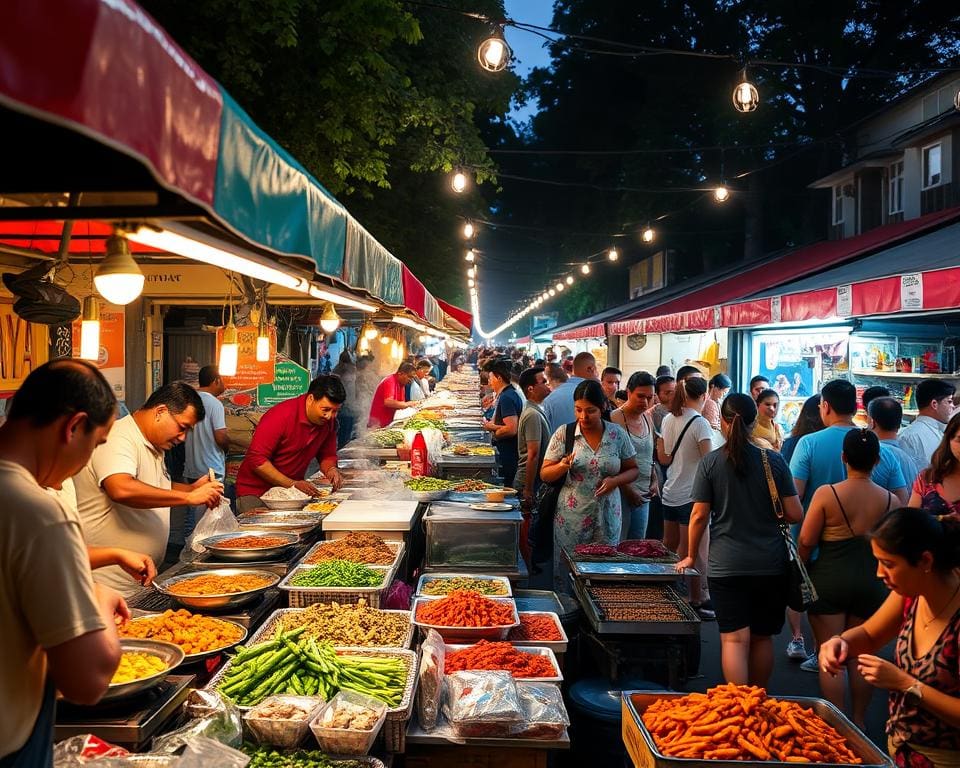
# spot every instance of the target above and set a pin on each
(748, 556)
(918, 555)
(680, 453)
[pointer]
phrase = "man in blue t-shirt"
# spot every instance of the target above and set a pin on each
(506, 418)
(816, 460)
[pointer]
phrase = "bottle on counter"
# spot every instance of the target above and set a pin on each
(419, 463)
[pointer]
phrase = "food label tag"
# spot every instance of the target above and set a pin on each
(844, 301)
(911, 291)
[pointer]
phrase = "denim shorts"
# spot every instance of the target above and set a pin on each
(679, 514)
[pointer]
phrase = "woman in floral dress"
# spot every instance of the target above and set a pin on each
(602, 460)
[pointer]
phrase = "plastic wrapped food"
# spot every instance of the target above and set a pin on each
(215, 718)
(544, 714)
(430, 690)
(349, 724)
(482, 704)
(282, 721)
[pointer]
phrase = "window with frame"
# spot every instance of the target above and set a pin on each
(932, 170)
(838, 204)
(895, 188)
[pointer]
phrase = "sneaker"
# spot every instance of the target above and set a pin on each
(705, 610)
(796, 650)
(812, 664)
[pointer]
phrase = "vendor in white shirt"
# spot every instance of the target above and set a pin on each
(124, 494)
(420, 384)
(923, 436)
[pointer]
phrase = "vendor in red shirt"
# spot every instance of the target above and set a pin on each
(289, 436)
(391, 396)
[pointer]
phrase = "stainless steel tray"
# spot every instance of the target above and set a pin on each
(396, 546)
(287, 584)
(247, 554)
(190, 658)
(216, 602)
(266, 629)
(617, 571)
(557, 646)
(469, 634)
(426, 578)
(635, 704)
(688, 626)
(535, 650)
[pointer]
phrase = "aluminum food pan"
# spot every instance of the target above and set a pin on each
(265, 631)
(557, 646)
(398, 713)
(689, 625)
(216, 602)
(473, 634)
(189, 658)
(536, 650)
(396, 546)
(431, 577)
(246, 554)
(301, 523)
(172, 655)
(644, 752)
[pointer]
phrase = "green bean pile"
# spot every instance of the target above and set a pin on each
(428, 484)
(290, 664)
(268, 757)
(338, 573)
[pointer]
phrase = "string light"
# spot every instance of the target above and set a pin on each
(471, 272)
(263, 337)
(612, 254)
(585, 269)
(458, 182)
(721, 193)
(559, 287)
(329, 319)
(469, 230)
(368, 330)
(569, 279)
(229, 349)
(552, 292)
(471, 282)
(648, 234)
(745, 95)
(90, 329)
(494, 53)
(470, 256)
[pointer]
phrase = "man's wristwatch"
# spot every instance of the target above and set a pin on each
(915, 690)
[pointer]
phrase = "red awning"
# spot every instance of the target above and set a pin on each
(597, 331)
(460, 315)
(702, 310)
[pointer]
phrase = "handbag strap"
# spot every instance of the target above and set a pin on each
(676, 446)
(772, 487)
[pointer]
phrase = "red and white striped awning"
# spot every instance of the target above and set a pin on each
(596, 331)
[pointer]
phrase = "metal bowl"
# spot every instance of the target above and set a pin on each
(250, 554)
(429, 495)
(294, 522)
(284, 504)
(208, 602)
(189, 658)
(171, 654)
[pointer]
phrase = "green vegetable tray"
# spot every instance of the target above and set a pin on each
(301, 597)
(292, 758)
(266, 629)
(395, 728)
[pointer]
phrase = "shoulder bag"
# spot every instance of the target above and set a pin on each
(801, 593)
(541, 529)
(676, 445)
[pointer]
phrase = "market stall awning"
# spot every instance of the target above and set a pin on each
(595, 331)
(458, 316)
(110, 101)
(724, 303)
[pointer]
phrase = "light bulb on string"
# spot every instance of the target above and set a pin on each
(746, 98)
(471, 283)
(721, 194)
(612, 254)
(329, 320)
(494, 53)
(560, 287)
(471, 272)
(369, 330)
(648, 234)
(119, 278)
(263, 337)
(569, 279)
(385, 339)
(458, 182)
(468, 230)
(585, 269)
(552, 292)
(90, 329)
(229, 350)
(470, 256)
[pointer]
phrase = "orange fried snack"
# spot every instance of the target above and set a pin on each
(739, 722)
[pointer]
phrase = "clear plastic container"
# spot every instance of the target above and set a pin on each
(282, 732)
(348, 741)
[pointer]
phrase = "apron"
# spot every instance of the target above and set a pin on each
(38, 751)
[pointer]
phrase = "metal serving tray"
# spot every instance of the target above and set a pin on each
(643, 750)
(428, 577)
(620, 571)
(396, 546)
(536, 650)
(190, 658)
(250, 554)
(472, 634)
(690, 625)
(267, 628)
(557, 646)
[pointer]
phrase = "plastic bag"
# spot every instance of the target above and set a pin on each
(482, 704)
(219, 720)
(398, 596)
(79, 750)
(219, 519)
(544, 714)
(202, 752)
(430, 689)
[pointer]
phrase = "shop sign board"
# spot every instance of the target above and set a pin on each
(250, 371)
(911, 292)
(844, 300)
(290, 380)
(111, 360)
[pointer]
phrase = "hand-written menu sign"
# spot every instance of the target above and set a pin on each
(250, 371)
(290, 380)
(911, 291)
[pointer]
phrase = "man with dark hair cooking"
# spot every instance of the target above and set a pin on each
(289, 436)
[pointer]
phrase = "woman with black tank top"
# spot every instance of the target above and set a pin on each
(845, 570)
